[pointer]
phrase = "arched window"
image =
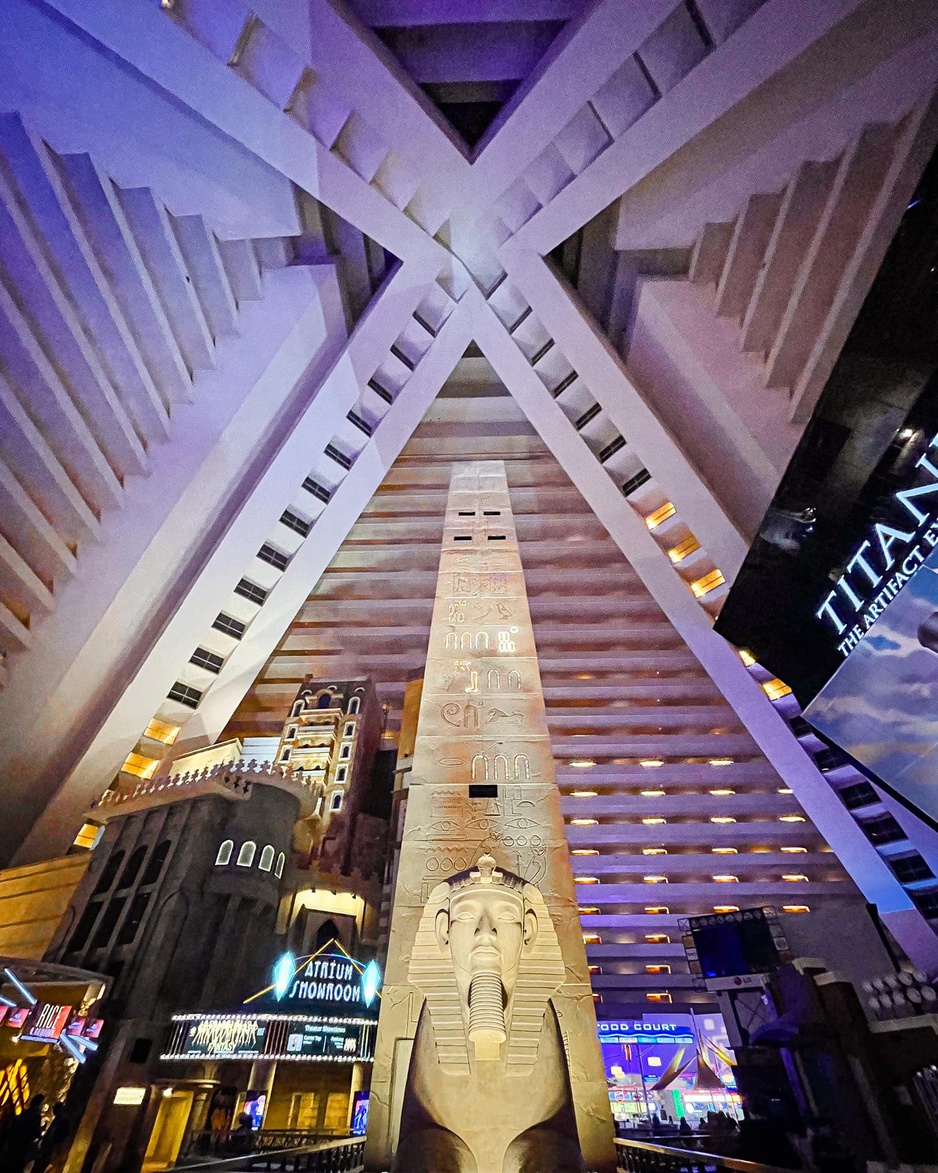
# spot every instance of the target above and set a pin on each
(134, 864)
(285, 755)
(224, 853)
(155, 864)
(281, 860)
(341, 773)
(109, 874)
(324, 701)
(345, 752)
(267, 859)
(354, 704)
(297, 709)
(336, 803)
(246, 854)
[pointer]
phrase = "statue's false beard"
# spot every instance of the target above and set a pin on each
(487, 1028)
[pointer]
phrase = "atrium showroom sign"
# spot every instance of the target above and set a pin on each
(886, 559)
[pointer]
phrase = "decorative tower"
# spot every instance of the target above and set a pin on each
(487, 1054)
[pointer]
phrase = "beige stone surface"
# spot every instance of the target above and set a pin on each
(482, 725)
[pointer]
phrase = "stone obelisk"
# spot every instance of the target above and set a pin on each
(484, 861)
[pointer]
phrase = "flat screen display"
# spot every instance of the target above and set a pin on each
(729, 946)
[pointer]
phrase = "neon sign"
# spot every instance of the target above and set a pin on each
(873, 564)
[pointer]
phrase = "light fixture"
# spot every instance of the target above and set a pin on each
(658, 996)
(726, 879)
(587, 910)
(726, 908)
(657, 938)
(791, 818)
(795, 878)
(658, 968)
(583, 793)
(795, 850)
(583, 822)
(657, 909)
(684, 549)
(585, 880)
(651, 763)
(582, 763)
(725, 850)
(585, 851)
(722, 762)
(167, 1092)
(654, 851)
(660, 515)
(775, 689)
(722, 792)
(785, 790)
(796, 908)
(722, 819)
(592, 939)
(655, 879)
(654, 822)
(709, 582)
(747, 657)
(653, 794)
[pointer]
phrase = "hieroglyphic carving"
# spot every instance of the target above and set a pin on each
(482, 720)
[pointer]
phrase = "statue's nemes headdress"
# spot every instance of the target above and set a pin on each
(540, 975)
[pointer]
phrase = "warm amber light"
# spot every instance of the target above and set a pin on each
(592, 939)
(585, 851)
(775, 689)
(588, 911)
(726, 908)
(795, 850)
(583, 793)
(727, 879)
(658, 968)
(722, 792)
(725, 850)
(709, 582)
(660, 515)
(657, 938)
(653, 794)
(722, 819)
(795, 878)
(658, 996)
(161, 731)
(796, 908)
(721, 762)
(654, 851)
(654, 822)
(651, 763)
(684, 549)
(791, 818)
(582, 763)
(585, 880)
(583, 822)
(140, 766)
(655, 879)
(747, 657)
(86, 836)
(657, 909)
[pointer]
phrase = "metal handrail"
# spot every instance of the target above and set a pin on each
(664, 1159)
(329, 1156)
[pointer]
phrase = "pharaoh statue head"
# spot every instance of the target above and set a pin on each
(487, 958)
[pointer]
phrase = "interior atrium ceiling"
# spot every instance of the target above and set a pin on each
(241, 255)
(469, 57)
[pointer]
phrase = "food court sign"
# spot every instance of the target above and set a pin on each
(881, 565)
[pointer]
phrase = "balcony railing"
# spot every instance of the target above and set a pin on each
(235, 779)
(280, 1149)
(636, 1156)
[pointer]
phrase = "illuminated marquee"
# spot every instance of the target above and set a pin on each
(851, 607)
